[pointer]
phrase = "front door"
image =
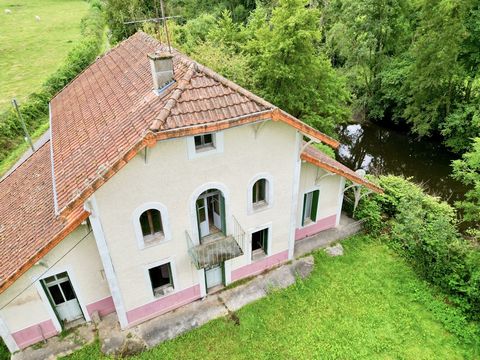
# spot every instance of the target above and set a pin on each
(202, 216)
(217, 218)
(62, 295)
(214, 276)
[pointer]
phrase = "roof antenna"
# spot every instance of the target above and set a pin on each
(157, 20)
(19, 114)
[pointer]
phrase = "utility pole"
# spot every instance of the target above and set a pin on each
(19, 114)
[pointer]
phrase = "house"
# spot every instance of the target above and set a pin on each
(161, 182)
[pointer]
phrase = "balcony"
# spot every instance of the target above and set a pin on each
(217, 248)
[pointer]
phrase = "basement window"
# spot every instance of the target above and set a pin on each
(161, 279)
(152, 227)
(259, 244)
(204, 142)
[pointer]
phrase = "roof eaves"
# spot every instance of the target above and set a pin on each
(73, 224)
(304, 128)
(355, 178)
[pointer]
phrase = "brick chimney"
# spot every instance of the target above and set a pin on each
(162, 69)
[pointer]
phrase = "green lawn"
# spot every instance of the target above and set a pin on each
(31, 50)
(367, 304)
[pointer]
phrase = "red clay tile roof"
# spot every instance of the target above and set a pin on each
(318, 158)
(28, 225)
(109, 113)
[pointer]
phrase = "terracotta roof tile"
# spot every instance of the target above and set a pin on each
(28, 223)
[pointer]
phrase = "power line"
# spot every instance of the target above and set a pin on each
(42, 274)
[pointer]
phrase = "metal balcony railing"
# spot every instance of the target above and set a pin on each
(218, 250)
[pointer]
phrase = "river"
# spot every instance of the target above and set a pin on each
(380, 150)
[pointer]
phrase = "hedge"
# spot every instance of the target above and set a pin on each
(35, 108)
(424, 230)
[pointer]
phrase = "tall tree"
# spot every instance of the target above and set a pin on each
(362, 37)
(443, 80)
(289, 69)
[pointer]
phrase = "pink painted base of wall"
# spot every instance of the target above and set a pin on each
(322, 224)
(162, 305)
(259, 266)
(104, 307)
(34, 334)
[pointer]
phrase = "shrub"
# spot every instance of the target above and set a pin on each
(424, 230)
(35, 108)
(4, 353)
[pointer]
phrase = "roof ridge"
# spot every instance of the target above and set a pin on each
(172, 101)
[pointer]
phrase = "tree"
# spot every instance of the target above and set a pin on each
(467, 170)
(289, 69)
(363, 37)
(442, 81)
(119, 11)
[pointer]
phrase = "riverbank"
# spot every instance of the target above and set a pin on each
(381, 150)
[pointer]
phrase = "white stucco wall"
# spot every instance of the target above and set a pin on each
(84, 267)
(170, 178)
(330, 187)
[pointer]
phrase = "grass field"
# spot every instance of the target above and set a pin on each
(31, 50)
(365, 305)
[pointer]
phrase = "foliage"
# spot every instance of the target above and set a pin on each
(363, 37)
(327, 150)
(35, 109)
(442, 77)
(283, 50)
(467, 170)
(4, 353)
(424, 230)
(366, 304)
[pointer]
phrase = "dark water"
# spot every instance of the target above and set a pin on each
(380, 150)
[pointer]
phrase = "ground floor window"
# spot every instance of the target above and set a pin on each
(259, 243)
(310, 206)
(161, 279)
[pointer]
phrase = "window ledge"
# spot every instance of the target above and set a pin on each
(258, 254)
(205, 148)
(152, 240)
(163, 291)
(259, 207)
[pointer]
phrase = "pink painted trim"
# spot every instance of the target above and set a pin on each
(104, 307)
(320, 225)
(162, 305)
(34, 334)
(259, 266)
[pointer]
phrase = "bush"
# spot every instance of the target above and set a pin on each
(35, 108)
(424, 230)
(4, 353)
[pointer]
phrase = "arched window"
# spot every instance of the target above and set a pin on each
(151, 224)
(259, 193)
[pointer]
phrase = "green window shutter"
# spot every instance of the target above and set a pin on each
(304, 206)
(222, 215)
(316, 194)
(254, 193)
(265, 235)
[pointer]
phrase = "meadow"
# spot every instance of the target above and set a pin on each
(31, 49)
(367, 304)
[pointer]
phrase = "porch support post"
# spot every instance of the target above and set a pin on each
(297, 163)
(340, 201)
(91, 206)
(7, 336)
